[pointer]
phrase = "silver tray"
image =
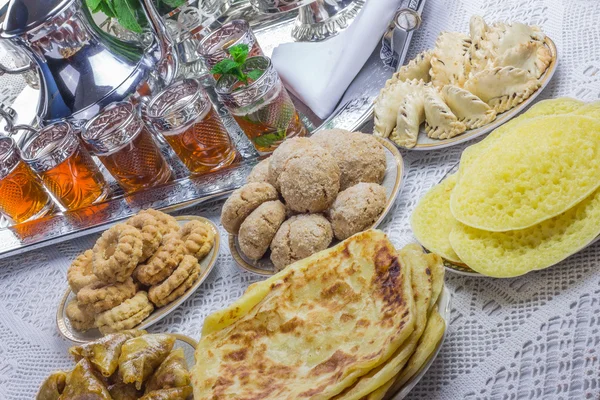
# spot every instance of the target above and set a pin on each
(353, 111)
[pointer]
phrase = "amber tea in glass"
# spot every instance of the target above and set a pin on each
(262, 108)
(214, 47)
(22, 196)
(183, 114)
(66, 168)
(123, 143)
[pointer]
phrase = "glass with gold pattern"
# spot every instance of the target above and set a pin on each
(22, 196)
(184, 115)
(122, 142)
(66, 168)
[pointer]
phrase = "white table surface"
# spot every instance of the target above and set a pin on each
(537, 336)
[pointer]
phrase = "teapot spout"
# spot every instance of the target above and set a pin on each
(168, 64)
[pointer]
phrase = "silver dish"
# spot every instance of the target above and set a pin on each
(206, 266)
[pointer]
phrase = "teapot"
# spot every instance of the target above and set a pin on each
(82, 69)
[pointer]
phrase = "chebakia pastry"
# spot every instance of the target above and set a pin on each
(463, 83)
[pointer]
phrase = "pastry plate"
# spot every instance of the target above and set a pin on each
(425, 143)
(463, 269)
(392, 181)
(206, 266)
(444, 304)
(189, 347)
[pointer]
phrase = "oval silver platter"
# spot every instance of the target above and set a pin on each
(424, 143)
(206, 266)
(392, 181)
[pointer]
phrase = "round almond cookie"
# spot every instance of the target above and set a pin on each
(80, 273)
(360, 156)
(151, 231)
(260, 172)
(81, 318)
(258, 230)
(197, 239)
(117, 253)
(168, 223)
(177, 284)
(100, 297)
(126, 315)
(310, 182)
(243, 201)
(287, 150)
(162, 263)
(356, 209)
(299, 237)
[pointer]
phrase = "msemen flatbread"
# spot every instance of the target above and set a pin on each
(514, 253)
(324, 322)
(432, 221)
(528, 181)
(421, 280)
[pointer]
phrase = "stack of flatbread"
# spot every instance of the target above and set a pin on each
(356, 321)
(463, 83)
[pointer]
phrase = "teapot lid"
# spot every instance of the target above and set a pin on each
(25, 15)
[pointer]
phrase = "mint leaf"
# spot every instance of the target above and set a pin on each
(270, 138)
(239, 53)
(255, 74)
(174, 3)
(225, 66)
(107, 9)
(126, 14)
(93, 5)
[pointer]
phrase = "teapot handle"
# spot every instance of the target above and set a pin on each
(11, 129)
(16, 71)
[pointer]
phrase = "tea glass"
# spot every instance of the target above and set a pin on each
(66, 168)
(214, 47)
(122, 142)
(22, 196)
(184, 115)
(262, 108)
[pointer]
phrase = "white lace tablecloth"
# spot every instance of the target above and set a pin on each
(537, 336)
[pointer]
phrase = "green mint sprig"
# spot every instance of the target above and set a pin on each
(236, 65)
(129, 13)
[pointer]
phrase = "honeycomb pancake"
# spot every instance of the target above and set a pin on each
(514, 253)
(323, 322)
(432, 221)
(520, 183)
(563, 105)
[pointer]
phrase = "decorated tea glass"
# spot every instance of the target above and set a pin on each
(184, 115)
(213, 48)
(22, 196)
(123, 143)
(263, 107)
(66, 168)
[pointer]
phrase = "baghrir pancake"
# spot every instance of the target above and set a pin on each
(313, 329)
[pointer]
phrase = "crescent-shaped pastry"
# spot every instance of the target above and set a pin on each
(440, 122)
(449, 59)
(467, 107)
(387, 103)
(411, 115)
(534, 57)
(479, 56)
(418, 68)
(504, 37)
(502, 87)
